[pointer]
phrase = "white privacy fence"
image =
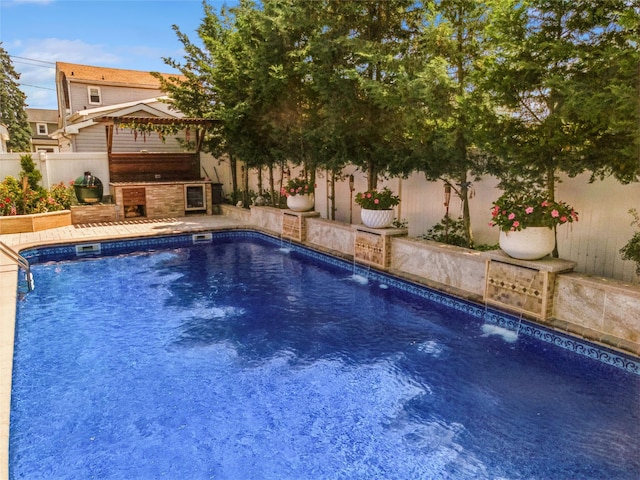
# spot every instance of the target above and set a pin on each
(594, 242)
(58, 167)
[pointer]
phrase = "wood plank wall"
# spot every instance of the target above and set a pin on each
(153, 167)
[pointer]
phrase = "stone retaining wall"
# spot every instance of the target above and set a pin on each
(597, 309)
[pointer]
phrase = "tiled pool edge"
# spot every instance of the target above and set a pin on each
(489, 315)
(8, 300)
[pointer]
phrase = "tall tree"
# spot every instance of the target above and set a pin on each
(568, 82)
(448, 112)
(245, 77)
(354, 60)
(12, 106)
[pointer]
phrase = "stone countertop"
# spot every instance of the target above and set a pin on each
(160, 182)
(546, 264)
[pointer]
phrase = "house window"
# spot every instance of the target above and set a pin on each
(42, 129)
(94, 96)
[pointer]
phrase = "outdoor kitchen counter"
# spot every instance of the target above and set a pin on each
(161, 199)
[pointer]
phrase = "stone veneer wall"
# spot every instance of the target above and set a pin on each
(330, 235)
(241, 214)
(162, 199)
(602, 310)
(601, 305)
(458, 268)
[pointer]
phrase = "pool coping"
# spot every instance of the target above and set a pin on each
(9, 294)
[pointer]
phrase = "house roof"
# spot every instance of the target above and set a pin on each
(149, 109)
(160, 108)
(111, 76)
(41, 115)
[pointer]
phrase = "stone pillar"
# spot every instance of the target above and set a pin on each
(373, 245)
(523, 286)
(294, 225)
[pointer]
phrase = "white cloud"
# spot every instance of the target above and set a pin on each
(8, 3)
(37, 74)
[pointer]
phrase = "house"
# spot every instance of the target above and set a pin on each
(107, 110)
(43, 122)
(86, 93)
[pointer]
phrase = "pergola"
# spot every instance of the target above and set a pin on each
(153, 166)
(201, 125)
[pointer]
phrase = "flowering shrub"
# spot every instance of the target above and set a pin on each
(377, 199)
(517, 212)
(14, 200)
(297, 186)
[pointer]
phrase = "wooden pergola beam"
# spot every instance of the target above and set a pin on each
(201, 125)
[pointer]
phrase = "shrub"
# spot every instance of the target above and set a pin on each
(17, 200)
(631, 251)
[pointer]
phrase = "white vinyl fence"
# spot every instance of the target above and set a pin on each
(594, 242)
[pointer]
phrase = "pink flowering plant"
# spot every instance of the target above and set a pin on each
(377, 199)
(518, 211)
(297, 186)
(17, 200)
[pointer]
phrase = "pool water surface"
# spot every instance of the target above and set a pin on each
(236, 359)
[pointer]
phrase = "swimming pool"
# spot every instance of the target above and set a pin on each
(234, 358)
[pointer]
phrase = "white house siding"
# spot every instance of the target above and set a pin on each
(110, 95)
(94, 139)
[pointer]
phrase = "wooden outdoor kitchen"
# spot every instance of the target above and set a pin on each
(157, 184)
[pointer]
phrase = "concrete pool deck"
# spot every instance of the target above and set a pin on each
(72, 233)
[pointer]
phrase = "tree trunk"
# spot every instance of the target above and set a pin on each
(272, 189)
(372, 176)
(246, 201)
(466, 214)
(234, 178)
(551, 191)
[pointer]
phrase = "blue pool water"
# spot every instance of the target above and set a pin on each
(238, 360)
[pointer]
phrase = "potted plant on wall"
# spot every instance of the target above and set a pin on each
(299, 193)
(377, 207)
(527, 222)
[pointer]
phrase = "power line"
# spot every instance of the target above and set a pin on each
(33, 60)
(36, 86)
(32, 64)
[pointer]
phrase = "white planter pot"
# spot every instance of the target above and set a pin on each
(532, 243)
(300, 203)
(377, 218)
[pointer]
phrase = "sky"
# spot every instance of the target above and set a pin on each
(127, 34)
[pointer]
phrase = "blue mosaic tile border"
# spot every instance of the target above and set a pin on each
(488, 315)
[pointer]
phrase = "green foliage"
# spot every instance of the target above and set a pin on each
(451, 88)
(63, 195)
(449, 231)
(517, 211)
(297, 186)
(29, 171)
(631, 251)
(12, 106)
(566, 82)
(14, 200)
(400, 223)
(377, 199)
